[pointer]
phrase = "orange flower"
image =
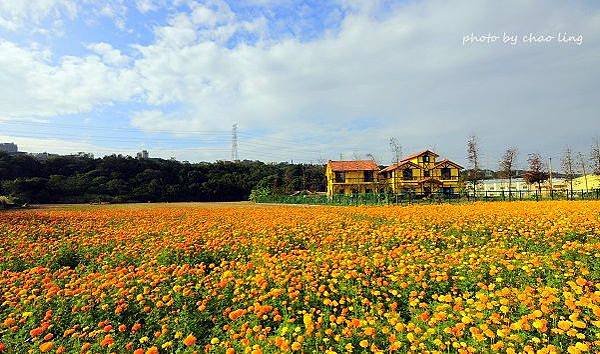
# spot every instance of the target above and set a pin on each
(36, 332)
(189, 340)
(107, 341)
(235, 314)
(152, 350)
(44, 347)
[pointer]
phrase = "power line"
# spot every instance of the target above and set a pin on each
(274, 148)
(234, 143)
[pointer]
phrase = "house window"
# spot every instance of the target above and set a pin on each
(425, 158)
(407, 174)
(340, 177)
(426, 173)
(446, 173)
(368, 176)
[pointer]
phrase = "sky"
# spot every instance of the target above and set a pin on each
(306, 81)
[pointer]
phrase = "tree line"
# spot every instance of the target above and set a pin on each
(117, 178)
(572, 164)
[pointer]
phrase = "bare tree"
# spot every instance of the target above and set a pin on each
(583, 168)
(507, 166)
(536, 173)
(595, 155)
(396, 149)
(568, 166)
(473, 158)
(371, 157)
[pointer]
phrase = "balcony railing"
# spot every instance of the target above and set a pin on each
(449, 178)
(349, 180)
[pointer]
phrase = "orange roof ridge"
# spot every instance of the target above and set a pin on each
(353, 165)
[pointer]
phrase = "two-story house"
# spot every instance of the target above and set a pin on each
(422, 173)
(351, 177)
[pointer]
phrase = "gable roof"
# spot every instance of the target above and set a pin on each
(446, 161)
(417, 154)
(356, 165)
(398, 165)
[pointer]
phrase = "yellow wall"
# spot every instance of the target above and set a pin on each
(354, 181)
(395, 182)
(593, 182)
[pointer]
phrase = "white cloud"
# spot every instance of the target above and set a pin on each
(48, 16)
(403, 72)
(109, 55)
(30, 86)
(16, 14)
(146, 5)
(407, 69)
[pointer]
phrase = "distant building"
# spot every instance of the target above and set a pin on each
(142, 155)
(494, 187)
(501, 184)
(10, 148)
(589, 182)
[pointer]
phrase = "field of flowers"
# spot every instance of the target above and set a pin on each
(483, 277)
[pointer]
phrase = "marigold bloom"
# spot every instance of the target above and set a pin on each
(45, 347)
(189, 340)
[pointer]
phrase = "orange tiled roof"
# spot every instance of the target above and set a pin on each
(357, 165)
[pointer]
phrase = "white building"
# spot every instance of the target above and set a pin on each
(142, 155)
(10, 148)
(500, 185)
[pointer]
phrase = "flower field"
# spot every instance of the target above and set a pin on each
(483, 277)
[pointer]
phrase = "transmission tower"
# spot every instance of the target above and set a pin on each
(234, 143)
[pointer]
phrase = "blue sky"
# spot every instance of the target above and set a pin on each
(305, 80)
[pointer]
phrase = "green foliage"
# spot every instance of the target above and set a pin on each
(119, 179)
(259, 194)
(67, 257)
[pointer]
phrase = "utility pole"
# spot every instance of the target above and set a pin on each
(550, 171)
(234, 143)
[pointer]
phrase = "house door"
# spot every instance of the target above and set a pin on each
(427, 190)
